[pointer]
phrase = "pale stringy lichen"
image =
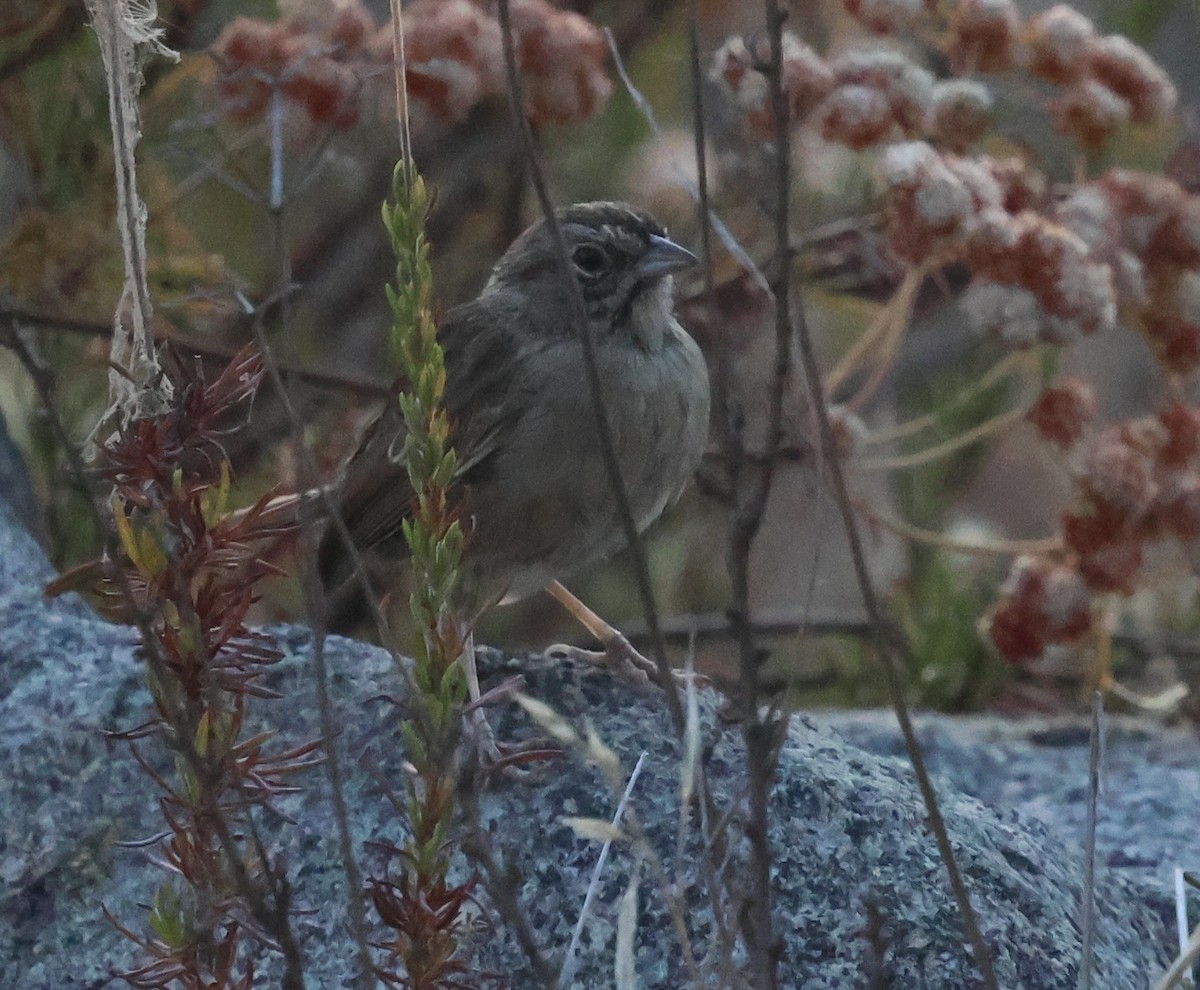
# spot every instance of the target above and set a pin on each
(128, 36)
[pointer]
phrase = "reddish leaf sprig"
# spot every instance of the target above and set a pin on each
(193, 569)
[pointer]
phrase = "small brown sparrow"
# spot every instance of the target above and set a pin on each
(533, 485)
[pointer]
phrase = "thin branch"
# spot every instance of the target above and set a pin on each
(1087, 895)
(208, 349)
(885, 358)
(883, 632)
(992, 548)
(896, 312)
(705, 804)
(1013, 363)
(579, 322)
(761, 730)
(996, 424)
(699, 192)
(314, 597)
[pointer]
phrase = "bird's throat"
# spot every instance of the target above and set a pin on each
(650, 315)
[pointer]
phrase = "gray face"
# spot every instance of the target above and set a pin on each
(620, 256)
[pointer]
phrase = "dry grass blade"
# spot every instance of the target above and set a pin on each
(624, 968)
(1178, 974)
(567, 973)
(558, 728)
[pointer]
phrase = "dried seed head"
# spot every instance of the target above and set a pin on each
(1058, 41)
(961, 114)
(984, 35)
(1125, 69)
(884, 16)
(1063, 412)
(1044, 604)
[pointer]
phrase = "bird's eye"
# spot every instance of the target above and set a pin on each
(590, 259)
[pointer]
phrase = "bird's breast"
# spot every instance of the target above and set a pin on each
(547, 507)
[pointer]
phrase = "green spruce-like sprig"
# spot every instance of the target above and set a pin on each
(434, 536)
(435, 539)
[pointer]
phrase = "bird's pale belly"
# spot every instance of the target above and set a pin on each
(557, 512)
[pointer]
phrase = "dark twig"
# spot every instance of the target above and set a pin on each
(503, 884)
(314, 598)
(1087, 896)
(720, 388)
(882, 631)
(716, 224)
(208, 349)
(579, 321)
(762, 729)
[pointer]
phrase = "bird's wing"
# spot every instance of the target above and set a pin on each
(483, 401)
(482, 341)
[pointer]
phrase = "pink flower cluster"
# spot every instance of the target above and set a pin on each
(1035, 279)
(1063, 411)
(1138, 484)
(453, 54)
(860, 98)
(874, 95)
(317, 67)
(1048, 270)
(1044, 604)
(1107, 82)
(1146, 229)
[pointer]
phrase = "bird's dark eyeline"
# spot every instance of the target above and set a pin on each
(531, 477)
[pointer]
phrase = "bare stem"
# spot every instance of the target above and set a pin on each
(579, 321)
(314, 598)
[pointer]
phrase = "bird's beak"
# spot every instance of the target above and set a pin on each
(663, 257)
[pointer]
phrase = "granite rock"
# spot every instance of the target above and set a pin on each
(847, 823)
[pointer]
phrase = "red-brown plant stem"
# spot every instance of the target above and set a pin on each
(206, 814)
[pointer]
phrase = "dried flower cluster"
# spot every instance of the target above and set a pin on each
(1146, 229)
(1063, 411)
(1044, 268)
(1108, 82)
(1050, 270)
(872, 95)
(1138, 484)
(1034, 278)
(861, 98)
(885, 16)
(1044, 605)
(334, 67)
(318, 67)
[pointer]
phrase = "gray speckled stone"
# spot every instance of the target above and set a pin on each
(847, 822)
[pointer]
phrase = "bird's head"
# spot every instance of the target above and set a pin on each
(621, 257)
